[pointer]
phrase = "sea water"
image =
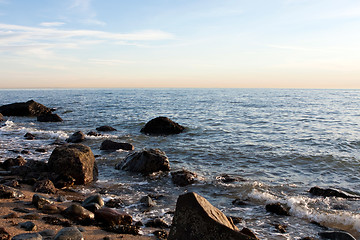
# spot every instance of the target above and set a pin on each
(279, 142)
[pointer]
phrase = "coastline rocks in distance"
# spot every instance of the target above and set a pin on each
(77, 137)
(29, 108)
(162, 126)
(111, 145)
(196, 218)
(75, 160)
(105, 129)
(145, 162)
(49, 117)
(331, 192)
(183, 177)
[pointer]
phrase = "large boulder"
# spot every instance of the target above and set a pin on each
(196, 218)
(49, 117)
(29, 108)
(75, 160)
(111, 145)
(145, 162)
(162, 126)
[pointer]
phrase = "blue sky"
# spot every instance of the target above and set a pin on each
(180, 43)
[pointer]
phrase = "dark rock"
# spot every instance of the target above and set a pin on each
(1, 117)
(41, 150)
(115, 203)
(25, 152)
(28, 236)
(225, 178)
(11, 215)
(45, 186)
(32, 216)
(123, 229)
(138, 224)
(336, 235)
(4, 235)
(93, 199)
(196, 218)
(28, 226)
(50, 117)
(147, 201)
(40, 201)
(111, 145)
(160, 234)
(281, 228)
(47, 233)
(22, 210)
(234, 219)
(32, 169)
(92, 207)
(9, 192)
(64, 181)
(92, 133)
(249, 233)
(75, 160)
(278, 209)
(50, 209)
(77, 137)
(162, 126)
(78, 213)
(183, 177)
(29, 136)
(105, 129)
(239, 202)
(72, 233)
(331, 192)
(156, 223)
(12, 183)
(29, 108)
(111, 217)
(56, 221)
(145, 162)
(11, 162)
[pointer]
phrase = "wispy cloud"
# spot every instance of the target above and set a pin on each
(51, 24)
(86, 13)
(110, 62)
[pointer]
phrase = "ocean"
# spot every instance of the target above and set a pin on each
(279, 142)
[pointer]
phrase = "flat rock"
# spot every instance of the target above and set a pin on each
(69, 233)
(162, 126)
(183, 177)
(196, 218)
(331, 192)
(29, 108)
(49, 117)
(111, 145)
(77, 137)
(105, 129)
(27, 236)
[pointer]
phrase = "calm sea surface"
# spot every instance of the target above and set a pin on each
(280, 142)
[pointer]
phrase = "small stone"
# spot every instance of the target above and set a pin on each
(281, 228)
(160, 234)
(28, 236)
(29, 136)
(111, 217)
(278, 209)
(157, 223)
(47, 233)
(11, 215)
(115, 203)
(68, 233)
(77, 137)
(28, 226)
(76, 212)
(105, 129)
(45, 186)
(147, 201)
(183, 177)
(32, 216)
(50, 209)
(39, 201)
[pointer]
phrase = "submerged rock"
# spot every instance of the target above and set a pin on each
(49, 117)
(111, 145)
(145, 162)
(29, 108)
(75, 160)
(162, 126)
(331, 192)
(77, 137)
(336, 235)
(183, 177)
(105, 129)
(196, 218)
(29, 136)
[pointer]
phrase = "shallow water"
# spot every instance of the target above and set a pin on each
(281, 142)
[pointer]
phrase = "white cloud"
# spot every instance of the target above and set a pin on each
(51, 24)
(83, 5)
(110, 62)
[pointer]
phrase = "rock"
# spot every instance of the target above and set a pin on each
(239, 202)
(49, 117)
(22, 210)
(111, 217)
(77, 137)
(92, 133)
(281, 228)
(29, 136)
(75, 160)
(28, 226)
(12, 183)
(40, 150)
(69, 233)
(225, 178)
(162, 126)
(1, 117)
(234, 219)
(45, 186)
(331, 192)
(50, 209)
(196, 218)
(278, 209)
(78, 213)
(56, 221)
(32, 216)
(11, 215)
(122, 229)
(11, 162)
(105, 129)
(25, 152)
(249, 233)
(9, 192)
(92, 207)
(160, 234)
(111, 145)
(93, 199)
(32, 169)
(28, 236)
(40, 201)
(183, 177)
(48, 233)
(29, 108)
(64, 181)
(156, 223)
(147, 201)
(145, 162)
(4, 235)
(115, 203)
(336, 235)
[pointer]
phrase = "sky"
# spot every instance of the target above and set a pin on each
(180, 43)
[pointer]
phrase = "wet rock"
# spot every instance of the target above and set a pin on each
(239, 202)
(196, 218)
(9, 192)
(105, 129)
(162, 126)
(115, 203)
(40, 201)
(52, 220)
(11, 162)
(147, 201)
(72, 233)
(25, 152)
(225, 178)
(32, 216)
(49, 117)
(93, 199)
(29, 136)
(28, 226)
(1, 118)
(92, 133)
(157, 223)
(145, 162)
(4, 235)
(331, 192)
(11, 215)
(278, 209)
(48, 233)
(336, 235)
(249, 233)
(111, 217)
(64, 181)
(45, 186)
(160, 234)
(183, 177)
(51, 209)
(29, 108)
(111, 145)
(281, 228)
(122, 229)
(75, 160)
(78, 213)
(234, 219)
(28, 236)
(77, 137)
(41, 150)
